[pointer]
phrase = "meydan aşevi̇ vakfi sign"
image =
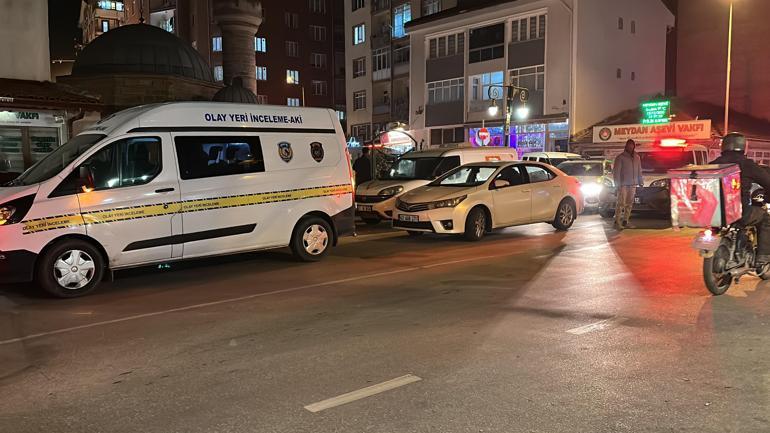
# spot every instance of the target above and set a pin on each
(689, 130)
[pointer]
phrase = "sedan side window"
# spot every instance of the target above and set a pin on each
(513, 175)
(538, 174)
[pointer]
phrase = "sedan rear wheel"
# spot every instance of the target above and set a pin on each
(565, 215)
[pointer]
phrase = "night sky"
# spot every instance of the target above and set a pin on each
(63, 28)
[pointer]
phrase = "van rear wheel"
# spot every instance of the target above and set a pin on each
(311, 239)
(70, 268)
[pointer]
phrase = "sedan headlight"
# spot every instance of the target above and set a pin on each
(661, 183)
(391, 191)
(6, 213)
(591, 189)
(450, 202)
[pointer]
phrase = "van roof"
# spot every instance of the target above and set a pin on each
(225, 116)
(435, 153)
(553, 154)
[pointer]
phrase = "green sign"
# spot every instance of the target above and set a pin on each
(655, 112)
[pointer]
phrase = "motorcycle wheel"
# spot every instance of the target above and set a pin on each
(764, 272)
(714, 271)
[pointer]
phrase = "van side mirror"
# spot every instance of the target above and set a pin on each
(500, 183)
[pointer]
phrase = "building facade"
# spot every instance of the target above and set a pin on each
(580, 60)
(377, 58)
(294, 49)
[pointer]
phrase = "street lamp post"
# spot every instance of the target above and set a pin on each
(510, 94)
(729, 69)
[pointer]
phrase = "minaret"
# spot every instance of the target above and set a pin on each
(239, 21)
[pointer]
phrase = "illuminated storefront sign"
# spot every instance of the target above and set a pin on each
(690, 130)
(655, 112)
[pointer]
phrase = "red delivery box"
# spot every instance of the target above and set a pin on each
(705, 195)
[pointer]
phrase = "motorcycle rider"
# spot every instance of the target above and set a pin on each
(734, 152)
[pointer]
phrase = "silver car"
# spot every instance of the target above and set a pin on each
(594, 175)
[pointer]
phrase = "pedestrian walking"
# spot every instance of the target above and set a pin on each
(627, 171)
(363, 167)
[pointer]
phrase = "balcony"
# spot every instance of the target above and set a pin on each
(382, 74)
(381, 106)
(401, 61)
(380, 6)
(380, 40)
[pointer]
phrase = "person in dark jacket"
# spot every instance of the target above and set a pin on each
(363, 167)
(734, 152)
(627, 172)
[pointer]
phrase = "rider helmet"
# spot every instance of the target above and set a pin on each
(734, 142)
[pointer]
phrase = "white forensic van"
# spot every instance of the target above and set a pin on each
(174, 181)
(376, 199)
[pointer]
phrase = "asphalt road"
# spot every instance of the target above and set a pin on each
(527, 331)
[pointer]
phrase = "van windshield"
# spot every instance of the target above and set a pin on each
(57, 160)
(414, 168)
(663, 161)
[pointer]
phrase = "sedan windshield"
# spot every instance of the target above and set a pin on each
(663, 161)
(57, 160)
(581, 168)
(414, 168)
(467, 176)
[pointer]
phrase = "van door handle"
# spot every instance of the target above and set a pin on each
(162, 190)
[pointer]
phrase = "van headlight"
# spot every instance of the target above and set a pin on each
(450, 202)
(591, 189)
(6, 213)
(391, 191)
(661, 183)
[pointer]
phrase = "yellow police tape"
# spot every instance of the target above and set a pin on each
(160, 209)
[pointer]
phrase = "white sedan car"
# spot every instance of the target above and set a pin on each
(476, 198)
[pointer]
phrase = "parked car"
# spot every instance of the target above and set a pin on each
(657, 160)
(474, 199)
(594, 175)
(551, 158)
(376, 199)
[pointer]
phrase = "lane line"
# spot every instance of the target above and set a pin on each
(601, 325)
(362, 393)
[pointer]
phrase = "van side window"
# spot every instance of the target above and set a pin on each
(538, 174)
(446, 164)
(201, 157)
(128, 162)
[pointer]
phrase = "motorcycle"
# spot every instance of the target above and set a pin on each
(730, 253)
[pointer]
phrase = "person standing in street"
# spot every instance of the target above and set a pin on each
(627, 171)
(363, 167)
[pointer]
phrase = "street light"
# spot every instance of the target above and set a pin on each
(493, 109)
(729, 68)
(290, 80)
(522, 112)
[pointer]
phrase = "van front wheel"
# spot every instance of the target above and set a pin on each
(70, 268)
(311, 239)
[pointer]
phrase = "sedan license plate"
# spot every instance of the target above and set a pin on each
(409, 218)
(364, 208)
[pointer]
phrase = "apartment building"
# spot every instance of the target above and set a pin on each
(377, 58)
(580, 60)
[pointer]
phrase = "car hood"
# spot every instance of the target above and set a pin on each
(373, 187)
(8, 193)
(425, 194)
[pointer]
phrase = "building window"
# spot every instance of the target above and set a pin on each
(620, 23)
(262, 99)
(292, 102)
(111, 5)
(292, 49)
(201, 157)
(430, 7)
(216, 44)
(443, 136)
(340, 115)
(317, 6)
(218, 74)
(446, 91)
(291, 20)
(359, 34)
(531, 78)
(363, 132)
(359, 100)
(480, 85)
(292, 76)
(320, 88)
(261, 73)
(105, 26)
(445, 46)
(619, 73)
(318, 60)
(358, 4)
(401, 55)
(380, 59)
(486, 43)
(359, 67)
(633, 76)
(528, 28)
(318, 32)
(633, 27)
(260, 45)
(402, 14)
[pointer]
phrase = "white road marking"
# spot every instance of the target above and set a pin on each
(601, 325)
(362, 393)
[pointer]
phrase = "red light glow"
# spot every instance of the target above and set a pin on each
(673, 142)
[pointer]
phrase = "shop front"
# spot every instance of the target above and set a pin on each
(26, 137)
(524, 137)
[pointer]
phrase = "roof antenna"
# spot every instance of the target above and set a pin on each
(141, 11)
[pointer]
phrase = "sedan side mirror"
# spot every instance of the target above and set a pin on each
(500, 183)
